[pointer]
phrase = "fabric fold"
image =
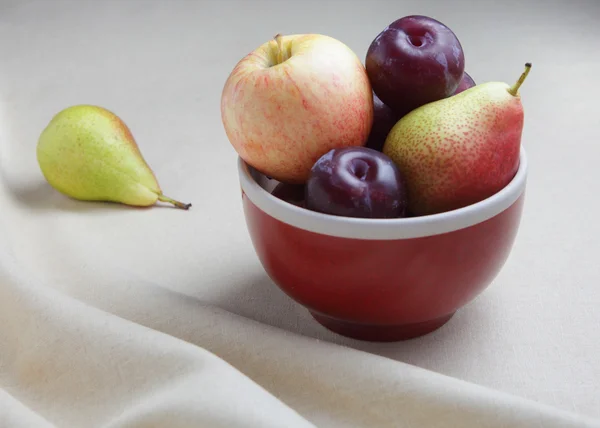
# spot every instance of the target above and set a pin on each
(76, 364)
(13, 414)
(79, 366)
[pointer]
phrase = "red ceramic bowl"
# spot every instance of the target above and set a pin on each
(375, 279)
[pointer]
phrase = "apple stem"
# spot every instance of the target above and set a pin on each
(281, 57)
(514, 90)
(178, 204)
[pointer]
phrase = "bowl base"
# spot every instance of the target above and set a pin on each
(380, 333)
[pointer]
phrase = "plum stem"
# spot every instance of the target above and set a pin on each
(281, 56)
(514, 89)
(178, 204)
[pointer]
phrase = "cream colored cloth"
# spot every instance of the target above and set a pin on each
(119, 317)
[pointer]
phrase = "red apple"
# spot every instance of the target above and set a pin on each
(292, 100)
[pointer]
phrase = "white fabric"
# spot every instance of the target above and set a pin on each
(119, 317)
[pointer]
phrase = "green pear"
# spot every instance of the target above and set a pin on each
(460, 150)
(88, 153)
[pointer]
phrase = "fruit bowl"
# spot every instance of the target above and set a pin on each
(381, 279)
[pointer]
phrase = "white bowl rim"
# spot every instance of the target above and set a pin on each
(384, 229)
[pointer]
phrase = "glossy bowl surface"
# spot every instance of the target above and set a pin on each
(382, 279)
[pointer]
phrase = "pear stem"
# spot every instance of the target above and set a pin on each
(514, 90)
(281, 56)
(178, 204)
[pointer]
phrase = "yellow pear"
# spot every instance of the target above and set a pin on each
(88, 153)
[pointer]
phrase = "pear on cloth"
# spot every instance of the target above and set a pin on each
(88, 153)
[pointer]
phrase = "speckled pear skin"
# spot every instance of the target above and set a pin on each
(88, 153)
(459, 150)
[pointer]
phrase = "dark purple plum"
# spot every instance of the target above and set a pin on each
(291, 193)
(465, 83)
(384, 120)
(356, 182)
(414, 61)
